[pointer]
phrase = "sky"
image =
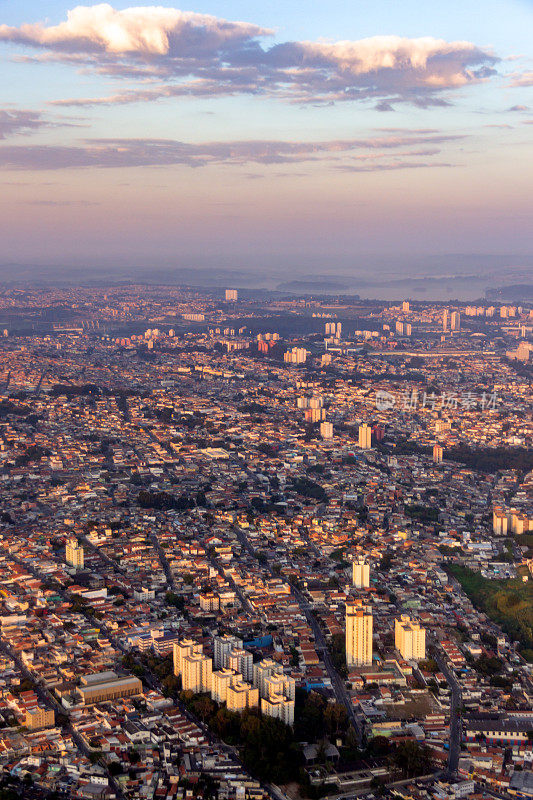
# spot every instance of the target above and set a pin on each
(298, 135)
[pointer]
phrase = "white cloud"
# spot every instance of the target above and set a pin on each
(150, 30)
(198, 54)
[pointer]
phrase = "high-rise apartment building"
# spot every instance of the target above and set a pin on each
(221, 680)
(241, 695)
(360, 574)
(242, 662)
(279, 707)
(326, 430)
(74, 554)
(359, 629)
(185, 647)
(500, 521)
(409, 638)
(222, 647)
(455, 321)
(281, 684)
(262, 672)
(39, 717)
(437, 453)
(297, 355)
(445, 320)
(231, 295)
(196, 675)
(365, 436)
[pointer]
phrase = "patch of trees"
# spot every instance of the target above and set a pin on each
(163, 501)
(268, 449)
(337, 650)
(316, 718)
(7, 408)
(32, 453)
(493, 459)
(267, 746)
(252, 408)
(424, 514)
(412, 758)
(308, 488)
(75, 391)
(488, 665)
(508, 602)
(482, 459)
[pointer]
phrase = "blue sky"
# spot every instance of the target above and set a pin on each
(139, 131)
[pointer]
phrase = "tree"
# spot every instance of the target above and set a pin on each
(378, 786)
(204, 707)
(412, 758)
(378, 746)
(335, 719)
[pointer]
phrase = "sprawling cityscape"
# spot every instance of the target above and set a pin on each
(264, 547)
(266, 400)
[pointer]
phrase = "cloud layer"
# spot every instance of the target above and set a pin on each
(18, 121)
(187, 53)
(392, 151)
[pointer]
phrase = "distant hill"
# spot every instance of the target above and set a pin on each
(515, 292)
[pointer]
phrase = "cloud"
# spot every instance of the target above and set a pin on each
(81, 203)
(518, 79)
(187, 53)
(144, 31)
(119, 153)
(13, 122)
(390, 166)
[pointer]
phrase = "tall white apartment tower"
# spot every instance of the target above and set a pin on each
(409, 638)
(365, 436)
(74, 554)
(185, 647)
(197, 673)
(263, 671)
(360, 574)
(242, 662)
(223, 645)
(359, 629)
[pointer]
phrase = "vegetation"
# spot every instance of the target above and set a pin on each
(421, 513)
(482, 459)
(267, 746)
(308, 488)
(164, 500)
(412, 758)
(508, 602)
(338, 654)
(316, 718)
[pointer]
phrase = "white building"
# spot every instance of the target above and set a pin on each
(359, 631)
(360, 574)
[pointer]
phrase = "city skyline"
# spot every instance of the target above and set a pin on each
(260, 137)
